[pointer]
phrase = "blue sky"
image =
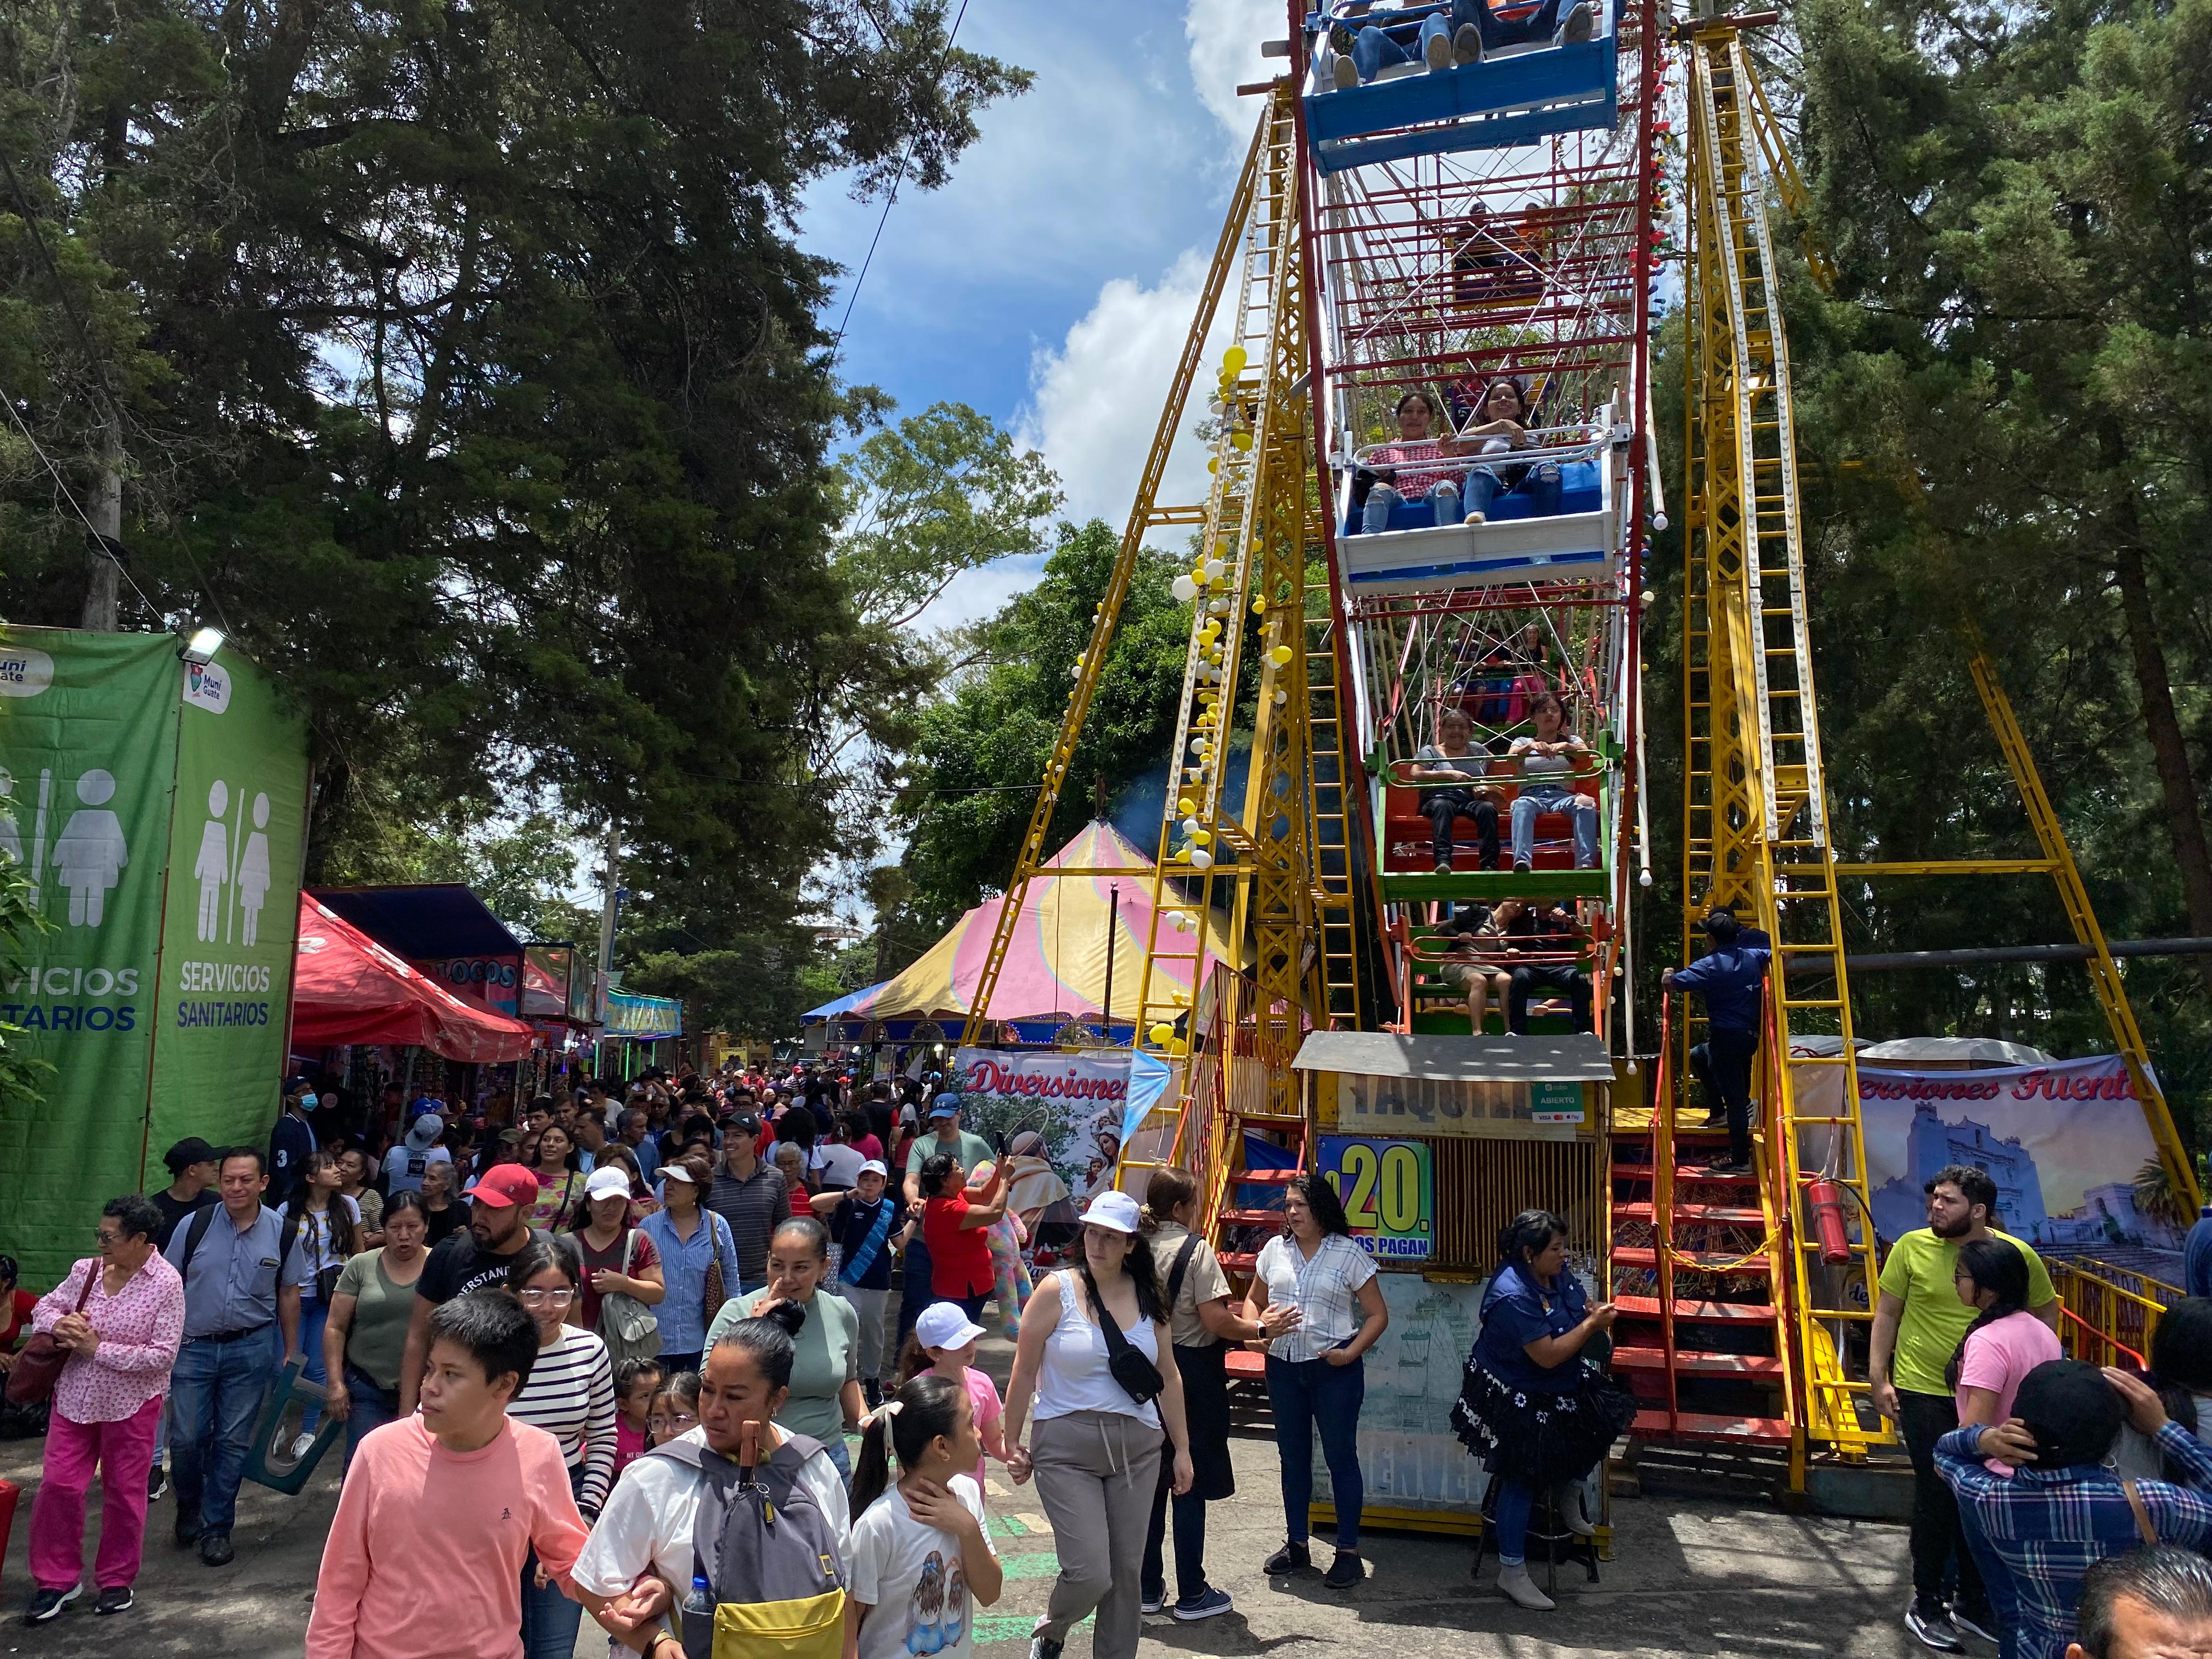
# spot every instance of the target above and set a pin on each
(1049, 283)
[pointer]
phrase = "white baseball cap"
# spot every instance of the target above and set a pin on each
(674, 1171)
(945, 1325)
(1117, 1211)
(874, 1166)
(610, 1183)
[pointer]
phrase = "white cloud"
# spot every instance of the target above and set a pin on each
(1095, 400)
(1224, 38)
(975, 594)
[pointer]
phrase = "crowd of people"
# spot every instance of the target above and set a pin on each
(591, 1390)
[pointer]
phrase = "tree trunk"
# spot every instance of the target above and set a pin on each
(2185, 819)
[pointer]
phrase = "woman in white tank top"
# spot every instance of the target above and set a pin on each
(1095, 1448)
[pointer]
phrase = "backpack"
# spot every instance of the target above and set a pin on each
(769, 1553)
(631, 1329)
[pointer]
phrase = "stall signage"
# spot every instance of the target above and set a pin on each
(1388, 1189)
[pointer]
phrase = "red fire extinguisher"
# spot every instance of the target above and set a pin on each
(9, 1491)
(1827, 1200)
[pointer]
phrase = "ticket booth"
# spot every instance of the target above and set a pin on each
(1433, 1144)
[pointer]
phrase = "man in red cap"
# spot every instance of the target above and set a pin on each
(499, 1230)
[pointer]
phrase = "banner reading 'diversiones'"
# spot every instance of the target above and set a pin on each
(2065, 1143)
(1077, 1102)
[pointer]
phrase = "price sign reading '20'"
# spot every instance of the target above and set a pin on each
(1388, 1189)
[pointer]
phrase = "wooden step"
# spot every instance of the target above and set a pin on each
(1262, 1178)
(1250, 1218)
(1764, 1366)
(1237, 1261)
(1697, 1425)
(1731, 1313)
(1719, 1214)
(1242, 1362)
(1708, 1262)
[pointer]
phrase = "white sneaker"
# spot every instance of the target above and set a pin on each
(1581, 24)
(1476, 518)
(1437, 52)
(1521, 1590)
(302, 1446)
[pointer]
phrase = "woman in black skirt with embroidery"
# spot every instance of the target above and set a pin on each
(1536, 1406)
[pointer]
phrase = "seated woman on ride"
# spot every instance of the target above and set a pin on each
(1547, 763)
(1407, 470)
(1536, 1405)
(1448, 36)
(1498, 426)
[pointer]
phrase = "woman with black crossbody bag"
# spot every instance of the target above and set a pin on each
(1202, 1321)
(1107, 1416)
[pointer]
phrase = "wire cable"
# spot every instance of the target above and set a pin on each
(890, 201)
(62, 484)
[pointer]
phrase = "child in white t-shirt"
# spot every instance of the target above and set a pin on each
(921, 1558)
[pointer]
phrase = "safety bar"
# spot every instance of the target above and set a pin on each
(1586, 449)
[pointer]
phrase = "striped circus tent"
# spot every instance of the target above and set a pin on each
(1056, 964)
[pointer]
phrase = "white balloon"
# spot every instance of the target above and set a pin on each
(1200, 858)
(1214, 569)
(1183, 588)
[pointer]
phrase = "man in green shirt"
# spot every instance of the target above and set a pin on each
(1918, 1324)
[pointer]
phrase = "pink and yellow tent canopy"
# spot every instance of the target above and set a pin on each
(1056, 964)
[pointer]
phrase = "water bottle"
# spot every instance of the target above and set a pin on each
(701, 1600)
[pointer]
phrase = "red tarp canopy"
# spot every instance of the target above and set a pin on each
(348, 988)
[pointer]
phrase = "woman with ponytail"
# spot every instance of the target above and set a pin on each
(922, 1558)
(2005, 1342)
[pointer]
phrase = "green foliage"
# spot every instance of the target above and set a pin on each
(465, 367)
(23, 1078)
(980, 751)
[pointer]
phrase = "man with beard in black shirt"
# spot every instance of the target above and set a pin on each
(499, 1230)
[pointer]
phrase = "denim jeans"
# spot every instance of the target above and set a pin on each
(1514, 1501)
(549, 1619)
(1309, 1395)
(214, 1393)
(840, 1454)
(1540, 484)
(369, 1408)
(1536, 798)
(1374, 50)
(314, 1313)
(1189, 1548)
(1549, 977)
(1375, 517)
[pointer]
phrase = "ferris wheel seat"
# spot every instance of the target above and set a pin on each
(1512, 97)
(1562, 548)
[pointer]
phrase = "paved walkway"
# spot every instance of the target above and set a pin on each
(1690, 1577)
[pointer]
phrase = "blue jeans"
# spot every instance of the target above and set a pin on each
(1540, 484)
(1541, 24)
(1375, 517)
(549, 1619)
(369, 1408)
(1374, 50)
(840, 1454)
(1307, 1395)
(214, 1393)
(1539, 798)
(314, 1313)
(1514, 1500)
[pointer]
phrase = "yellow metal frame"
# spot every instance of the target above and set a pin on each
(1754, 810)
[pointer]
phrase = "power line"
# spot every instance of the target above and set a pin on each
(892, 200)
(62, 484)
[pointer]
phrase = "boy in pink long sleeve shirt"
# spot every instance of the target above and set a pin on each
(440, 1510)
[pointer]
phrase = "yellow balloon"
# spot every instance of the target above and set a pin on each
(1259, 607)
(1203, 837)
(1234, 360)
(1213, 465)
(1163, 1034)
(1240, 440)
(1185, 805)
(1279, 655)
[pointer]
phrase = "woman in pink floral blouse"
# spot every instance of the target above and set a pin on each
(106, 1407)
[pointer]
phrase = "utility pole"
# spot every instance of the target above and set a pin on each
(103, 594)
(610, 906)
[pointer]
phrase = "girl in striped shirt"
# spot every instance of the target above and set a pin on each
(571, 1396)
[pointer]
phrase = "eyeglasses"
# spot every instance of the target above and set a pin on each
(679, 1422)
(107, 1236)
(548, 1298)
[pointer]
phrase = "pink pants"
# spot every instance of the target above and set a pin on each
(123, 1452)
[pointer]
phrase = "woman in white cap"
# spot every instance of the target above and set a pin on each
(1105, 1405)
(617, 1256)
(697, 1256)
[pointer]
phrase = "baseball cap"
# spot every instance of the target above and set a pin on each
(945, 1105)
(874, 1166)
(945, 1325)
(673, 1170)
(745, 1124)
(187, 1152)
(1115, 1211)
(613, 1181)
(504, 1185)
(422, 1104)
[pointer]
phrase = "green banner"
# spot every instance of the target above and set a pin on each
(87, 741)
(234, 910)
